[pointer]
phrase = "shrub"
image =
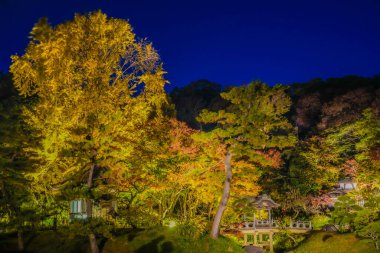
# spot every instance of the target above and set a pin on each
(318, 221)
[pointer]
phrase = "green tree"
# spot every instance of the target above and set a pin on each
(363, 220)
(359, 140)
(372, 232)
(100, 97)
(15, 198)
(345, 211)
(252, 125)
(313, 167)
(347, 150)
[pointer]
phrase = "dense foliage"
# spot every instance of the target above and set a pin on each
(84, 116)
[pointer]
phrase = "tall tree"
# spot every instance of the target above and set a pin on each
(250, 127)
(100, 96)
(15, 197)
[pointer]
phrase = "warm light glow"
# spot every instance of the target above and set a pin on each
(172, 224)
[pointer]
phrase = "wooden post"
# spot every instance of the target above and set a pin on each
(254, 238)
(245, 239)
(254, 220)
(260, 238)
(271, 242)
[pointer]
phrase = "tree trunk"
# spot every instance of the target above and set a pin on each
(89, 185)
(90, 176)
(93, 243)
(292, 238)
(55, 223)
(20, 236)
(20, 241)
(224, 200)
(91, 236)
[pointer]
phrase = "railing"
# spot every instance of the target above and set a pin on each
(262, 224)
(300, 225)
(78, 216)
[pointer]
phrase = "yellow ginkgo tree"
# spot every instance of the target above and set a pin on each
(99, 98)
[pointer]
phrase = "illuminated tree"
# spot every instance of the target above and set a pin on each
(100, 94)
(252, 125)
(198, 169)
(358, 139)
(186, 190)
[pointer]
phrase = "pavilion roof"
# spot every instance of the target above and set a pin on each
(263, 201)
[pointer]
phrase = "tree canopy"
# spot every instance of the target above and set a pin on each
(100, 95)
(91, 144)
(253, 128)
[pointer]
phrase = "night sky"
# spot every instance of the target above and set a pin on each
(228, 42)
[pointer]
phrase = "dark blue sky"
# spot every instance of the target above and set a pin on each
(228, 42)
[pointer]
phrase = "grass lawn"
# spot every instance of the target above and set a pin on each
(148, 241)
(45, 242)
(168, 241)
(323, 242)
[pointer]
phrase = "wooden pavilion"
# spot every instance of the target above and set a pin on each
(259, 230)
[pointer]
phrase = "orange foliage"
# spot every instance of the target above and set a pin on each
(350, 168)
(272, 156)
(181, 142)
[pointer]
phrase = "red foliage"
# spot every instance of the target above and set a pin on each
(307, 109)
(180, 135)
(350, 168)
(316, 203)
(272, 156)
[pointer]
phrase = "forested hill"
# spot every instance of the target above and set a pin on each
(321, 104)
(317, 105)
(191, 99)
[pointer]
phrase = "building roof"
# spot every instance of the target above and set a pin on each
(336, 193)
(346, 180)
(264, 201)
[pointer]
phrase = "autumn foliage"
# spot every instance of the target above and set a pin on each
(84, 116)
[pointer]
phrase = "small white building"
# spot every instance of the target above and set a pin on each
(342, 188)
(346, 184)
(104, 209)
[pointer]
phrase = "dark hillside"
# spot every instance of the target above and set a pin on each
(317, 105)
(321, 104)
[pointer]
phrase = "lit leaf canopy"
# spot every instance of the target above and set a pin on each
(99, 94)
